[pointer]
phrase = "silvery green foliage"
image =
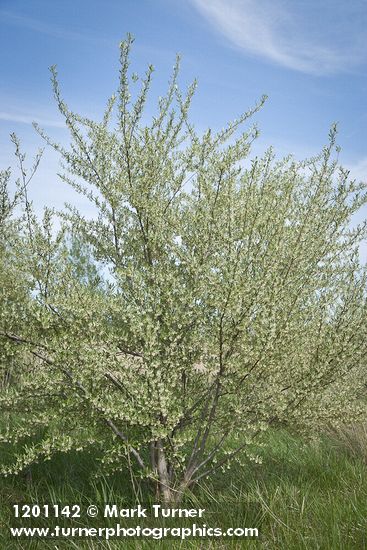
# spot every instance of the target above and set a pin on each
(235, 300)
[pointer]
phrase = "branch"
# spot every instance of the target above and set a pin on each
(129, 352)
(84, 393)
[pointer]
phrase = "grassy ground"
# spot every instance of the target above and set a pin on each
(304, 496)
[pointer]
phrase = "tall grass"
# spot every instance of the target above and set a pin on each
(304, 496)
(353, 438)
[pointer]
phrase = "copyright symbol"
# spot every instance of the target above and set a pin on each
(92, 511)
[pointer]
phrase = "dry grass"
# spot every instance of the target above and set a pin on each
(353, 438)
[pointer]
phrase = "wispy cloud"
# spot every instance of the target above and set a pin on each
(39, 26)
(25, 118)
(295, 38)
(358, 170)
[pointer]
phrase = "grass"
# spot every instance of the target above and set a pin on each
(304, 496)
(352, 438)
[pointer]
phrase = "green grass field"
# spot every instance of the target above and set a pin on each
(303, 496)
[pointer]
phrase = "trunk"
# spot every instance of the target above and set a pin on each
(166, 492)
(165, 488)
(153, 463)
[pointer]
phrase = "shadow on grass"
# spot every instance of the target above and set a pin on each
(305, 495)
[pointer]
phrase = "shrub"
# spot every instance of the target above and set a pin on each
(234, 297)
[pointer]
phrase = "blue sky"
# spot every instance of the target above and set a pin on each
(309, 57)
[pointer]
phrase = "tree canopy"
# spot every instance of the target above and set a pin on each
(210, 297)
